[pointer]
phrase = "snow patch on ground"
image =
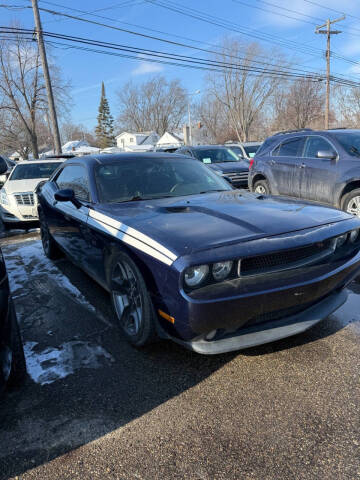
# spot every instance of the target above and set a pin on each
(51, 364)
(31, 256)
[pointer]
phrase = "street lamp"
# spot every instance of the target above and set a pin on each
(189, 114)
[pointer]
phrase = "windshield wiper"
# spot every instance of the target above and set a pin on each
(354, 150)
(136, 198)
(210, 191)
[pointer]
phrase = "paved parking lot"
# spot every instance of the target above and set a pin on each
(93, 407)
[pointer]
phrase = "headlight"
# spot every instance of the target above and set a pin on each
(221, 270)
(196, 275)
(354, 235)
(4, 198)
(341, 240)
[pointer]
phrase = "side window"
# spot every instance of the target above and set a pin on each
(290, 148)
(314, 144)
(74, 177)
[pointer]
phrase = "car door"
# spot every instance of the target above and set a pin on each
(318, 175)
(285, 165)
(69, 222)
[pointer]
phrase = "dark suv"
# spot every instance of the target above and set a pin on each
(322, 166)
(222, 159)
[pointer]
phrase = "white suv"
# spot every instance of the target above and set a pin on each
(18, 201)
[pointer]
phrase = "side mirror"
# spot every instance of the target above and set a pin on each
(3, 166)
(67, 195)
(328, 154)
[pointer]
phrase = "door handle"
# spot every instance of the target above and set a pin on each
(303, 165)
(272, 162)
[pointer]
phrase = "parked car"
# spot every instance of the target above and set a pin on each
(321, 166)
(186, 257)
(246, 150)
(17, 198)
(12, 360)
(221, 159)
(9, 166)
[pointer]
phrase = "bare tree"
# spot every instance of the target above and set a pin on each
(300, 105)
(157, 105)
(213, 116)
(348, 105)
(22, 89)
(243, 93)
(71, 131)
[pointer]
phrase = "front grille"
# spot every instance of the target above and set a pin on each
(280, 314)
(24, 198)
(238, 176)
(29, 217)
(283, 260)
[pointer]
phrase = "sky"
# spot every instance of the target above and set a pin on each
(291, 23)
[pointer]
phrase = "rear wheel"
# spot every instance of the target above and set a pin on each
(262, 187)
(351, 202)
(131, 301)
(50, 247)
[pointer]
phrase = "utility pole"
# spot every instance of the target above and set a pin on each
(328, 33)
(40, 39)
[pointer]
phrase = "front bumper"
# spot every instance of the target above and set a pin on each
(16, 214)
(216, 318)
(269, 331)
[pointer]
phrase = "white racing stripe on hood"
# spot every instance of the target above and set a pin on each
(129, 240)
(129, 231)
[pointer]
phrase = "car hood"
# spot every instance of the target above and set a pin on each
(15, 186)
(199, 222)
(227, 167)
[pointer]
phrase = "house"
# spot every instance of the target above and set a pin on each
(171, 139)
(76, 147)
(128, 140)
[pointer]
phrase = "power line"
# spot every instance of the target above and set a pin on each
(192, 13)
(137, 33)
(174, 59)
(130, 31)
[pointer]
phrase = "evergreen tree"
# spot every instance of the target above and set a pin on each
(105, 127)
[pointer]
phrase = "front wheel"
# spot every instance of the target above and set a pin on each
(351, 202)
(50, 248)
(131, 301)
(262, 187)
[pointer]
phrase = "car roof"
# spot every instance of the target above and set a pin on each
(31, 162)
(205, 147)
(109, 158)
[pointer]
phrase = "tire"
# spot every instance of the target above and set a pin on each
(51, 250)
(131, 301)
(18, 364)
(351, 202)
(262, 187)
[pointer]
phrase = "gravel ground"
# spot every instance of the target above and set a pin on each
(94, 408)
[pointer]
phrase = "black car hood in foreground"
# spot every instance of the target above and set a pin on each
(193, 223)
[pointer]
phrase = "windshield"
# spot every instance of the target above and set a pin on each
(251, 150)
(147, 178)
(34, 170)
(238, 152)
(350, 142)
(216, 155)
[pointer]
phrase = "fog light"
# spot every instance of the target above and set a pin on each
(211, 335)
